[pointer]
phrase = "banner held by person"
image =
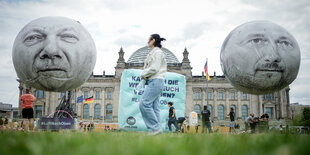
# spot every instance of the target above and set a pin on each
(129, 116)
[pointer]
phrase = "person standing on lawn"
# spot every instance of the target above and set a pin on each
(232, 120)
(27, 110)
(154, 73)
(172, 118)
(206, 124)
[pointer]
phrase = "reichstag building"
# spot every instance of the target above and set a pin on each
(221, 94)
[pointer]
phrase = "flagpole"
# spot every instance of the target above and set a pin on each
(207, 83)
(92, 105)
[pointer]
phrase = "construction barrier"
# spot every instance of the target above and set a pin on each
(215, 129)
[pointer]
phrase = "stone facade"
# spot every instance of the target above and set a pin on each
(222, 95)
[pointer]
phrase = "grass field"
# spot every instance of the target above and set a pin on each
(57, 143)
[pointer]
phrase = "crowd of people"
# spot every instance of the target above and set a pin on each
(253, 122)
(90, 126)
(27, 124)
(12, 125)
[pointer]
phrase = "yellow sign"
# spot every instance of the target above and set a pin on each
(194, 115)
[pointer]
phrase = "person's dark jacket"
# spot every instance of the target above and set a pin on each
(205, 115)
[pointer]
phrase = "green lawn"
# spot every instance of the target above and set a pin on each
(57, 143)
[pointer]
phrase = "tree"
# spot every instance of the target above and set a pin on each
(306, 117)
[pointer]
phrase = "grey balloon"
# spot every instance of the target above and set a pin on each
(260, 57)
(54, 54)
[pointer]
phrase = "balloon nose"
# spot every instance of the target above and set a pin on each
(272, 56)
(273, 59)
(51, 51)
(50, 56)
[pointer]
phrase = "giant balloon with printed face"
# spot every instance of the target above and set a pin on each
(260, 57)
(54, 54)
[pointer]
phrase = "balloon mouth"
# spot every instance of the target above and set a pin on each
(41, 77)
(51, 70)
(53, 73)
(270, 70)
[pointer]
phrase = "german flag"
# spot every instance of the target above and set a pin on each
(89, 100)
(206, 71)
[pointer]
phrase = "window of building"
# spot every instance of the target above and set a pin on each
(209, 107)
(109, 95)
(97, 94)
(38, 111)
(109, 111)
(73, 94)
(269, 111)
(85, 94)
(268, 97)
(62, 94)
(234, 107)
(39, 94)
(244, 109)
(85, 111)
(97, 111)
(209, 95)
(73, 106)
(233, 95)
(244, 96)
(197, 95)
(220, 112)
(221, 96)
(15, 114)
(197, 109)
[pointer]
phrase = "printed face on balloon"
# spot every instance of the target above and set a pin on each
(260, 57)
(54, 54)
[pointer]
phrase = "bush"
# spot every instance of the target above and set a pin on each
(302, 119)
(297, 121)
(306, 117)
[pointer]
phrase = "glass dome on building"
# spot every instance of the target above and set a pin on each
(140, 55)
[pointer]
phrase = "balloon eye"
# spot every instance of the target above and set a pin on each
(257, 42)
(284, 44)
(70, 38)
(33, 39)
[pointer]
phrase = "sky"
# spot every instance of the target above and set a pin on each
(198, 25)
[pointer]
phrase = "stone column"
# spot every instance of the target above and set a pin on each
(102, 103)
(91, 106)
(239, 106)
(215, 104)
(202, 97)
(227, 106)
(260, 104)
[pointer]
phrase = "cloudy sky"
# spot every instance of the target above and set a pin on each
(199, 25)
